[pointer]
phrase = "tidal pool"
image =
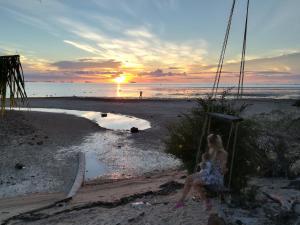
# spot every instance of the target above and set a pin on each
(111, 154)
(112, 121)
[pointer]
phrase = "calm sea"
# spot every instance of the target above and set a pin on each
(132, 90)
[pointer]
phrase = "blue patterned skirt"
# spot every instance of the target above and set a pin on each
(213, 178)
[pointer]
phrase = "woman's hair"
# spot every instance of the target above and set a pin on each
(215, 141)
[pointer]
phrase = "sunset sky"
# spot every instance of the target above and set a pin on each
(150, 40)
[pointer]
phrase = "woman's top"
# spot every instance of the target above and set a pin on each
(206, 168)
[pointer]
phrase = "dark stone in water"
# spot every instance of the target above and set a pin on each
(40, 143)
(103, 114)
(19, 166)
(134, 130)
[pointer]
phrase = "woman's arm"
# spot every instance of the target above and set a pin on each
(222, 157)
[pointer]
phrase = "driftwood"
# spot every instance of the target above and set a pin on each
(287, 205)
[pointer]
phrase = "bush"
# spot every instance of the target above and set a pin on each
(297, 103)
(184, 138)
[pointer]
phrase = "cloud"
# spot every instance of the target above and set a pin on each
(270, 73)
(96, 72)
(161, 73)
(84, 47)
(282, 65)
(174, 68)
(139, 33)
(137, 47)
(71, 65)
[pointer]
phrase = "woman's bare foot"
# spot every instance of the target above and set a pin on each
(179, 204)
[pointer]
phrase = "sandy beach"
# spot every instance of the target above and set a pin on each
(33, 139)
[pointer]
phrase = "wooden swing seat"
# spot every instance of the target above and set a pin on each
(225, 117)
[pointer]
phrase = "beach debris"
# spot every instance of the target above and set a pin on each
(286, 204)
(294, 184)
(140, 204)
(170, 187)
(103, 114)
(214, 219)
(134, 130)
(19, 166)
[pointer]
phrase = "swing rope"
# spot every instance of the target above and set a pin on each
(207, 120)
(243, 57)
(223, 51)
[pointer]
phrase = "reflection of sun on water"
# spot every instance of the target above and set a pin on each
(118, 90)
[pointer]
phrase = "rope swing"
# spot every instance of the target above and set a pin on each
(233, 120)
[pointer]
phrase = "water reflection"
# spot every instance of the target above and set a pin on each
(113, 155)
(119, 91)
(112, 121)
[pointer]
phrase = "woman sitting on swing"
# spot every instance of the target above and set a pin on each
(216, 160)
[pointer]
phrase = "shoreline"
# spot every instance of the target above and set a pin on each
(153, 99)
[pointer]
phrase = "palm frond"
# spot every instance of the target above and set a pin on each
(12, 81)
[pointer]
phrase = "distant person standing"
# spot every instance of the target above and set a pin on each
(141, 94)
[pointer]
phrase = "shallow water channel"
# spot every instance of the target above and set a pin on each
(111, 154)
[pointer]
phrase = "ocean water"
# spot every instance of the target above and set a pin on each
(155, 90)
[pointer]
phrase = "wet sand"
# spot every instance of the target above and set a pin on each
(33, 139)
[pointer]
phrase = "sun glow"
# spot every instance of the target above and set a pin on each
(120, 79)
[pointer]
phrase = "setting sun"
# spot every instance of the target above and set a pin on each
(120, 79)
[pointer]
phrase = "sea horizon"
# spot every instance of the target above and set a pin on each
(156, 90)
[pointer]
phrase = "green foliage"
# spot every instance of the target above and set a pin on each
(11, 78)
(184, 138)
(297, 103)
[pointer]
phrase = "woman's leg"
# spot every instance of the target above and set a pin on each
(198, 186)
(187, 187)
